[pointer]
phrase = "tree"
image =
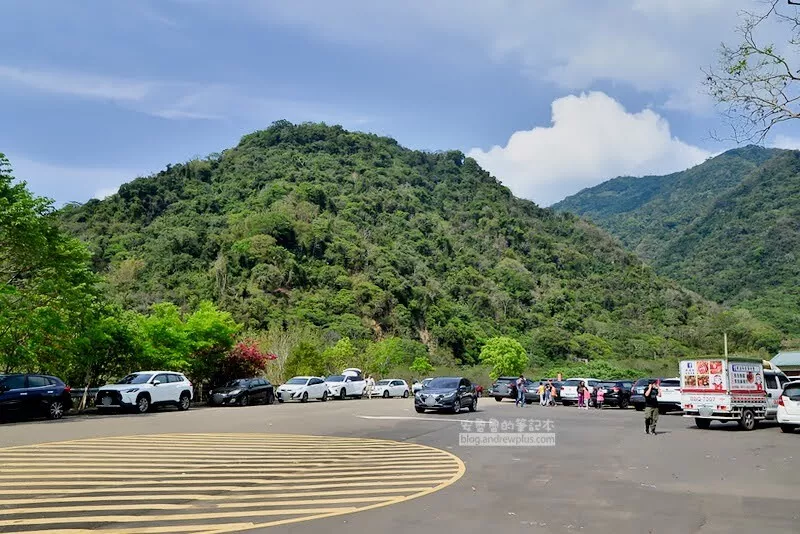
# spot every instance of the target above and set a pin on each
(757, 82)
(245, 359)
(506, 356)
(339, 356)
(304, 360)
(393, 352)
(421, 366)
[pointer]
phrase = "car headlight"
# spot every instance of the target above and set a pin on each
(235, 392)
(450, 395)
(132, 390)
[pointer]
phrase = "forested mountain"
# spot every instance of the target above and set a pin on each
(728, 228)
(360, 237)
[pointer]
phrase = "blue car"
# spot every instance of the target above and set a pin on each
(29, 395)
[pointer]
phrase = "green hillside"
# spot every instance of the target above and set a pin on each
(357, 236)
(727, 228)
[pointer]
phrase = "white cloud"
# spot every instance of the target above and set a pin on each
(592, 139)
(76, 84)
(786, 141)
(652, 45)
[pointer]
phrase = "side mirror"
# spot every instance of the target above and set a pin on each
(156, 382)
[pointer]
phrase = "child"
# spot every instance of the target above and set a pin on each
(601, 394)
(587, 397)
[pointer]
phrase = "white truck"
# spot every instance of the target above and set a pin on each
(718, 389)
(350, 383)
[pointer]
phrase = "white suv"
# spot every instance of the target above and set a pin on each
(145, 389)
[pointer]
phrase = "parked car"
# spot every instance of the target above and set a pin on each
(505, 387)
(615, 393)
(28, 395)
(569, 389)
(350, 383)
(418, 386)
(243, 391)
(774, 382)
(669, 399)
(303, 388)
(391, 387)
(145, 389)
(789, 407)
(637, 393)
(451, 393)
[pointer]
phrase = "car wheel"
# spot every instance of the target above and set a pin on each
(703, 424)
(143, 404)
(419, 410)
(748, 420)
(55, 410)
(280, 400)
(566, 403)
(499, 399)
(474, 405)
(386, 394)
(405, 394)
(270, 398)
(304, 398)
(324, 396)
(342, 394)
(788, 429)
(185, 402)
(639, 407)
(623, 403)
(457, 406)
(245, 400)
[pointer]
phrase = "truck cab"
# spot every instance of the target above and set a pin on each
(774, 381)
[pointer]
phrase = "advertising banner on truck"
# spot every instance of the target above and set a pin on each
(703, 376)
(746, 377)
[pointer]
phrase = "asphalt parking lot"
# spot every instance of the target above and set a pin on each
(228, 469)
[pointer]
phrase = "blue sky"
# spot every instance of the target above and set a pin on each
(549, 96)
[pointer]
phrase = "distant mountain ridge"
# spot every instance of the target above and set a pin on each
(727, 228)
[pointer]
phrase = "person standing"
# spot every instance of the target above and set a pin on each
(541, 391)
(370, 386)
(601, 394)
(581, 399)
(651, 406)
(520, 391)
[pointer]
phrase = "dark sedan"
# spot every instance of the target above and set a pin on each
(615, 393)
(505, 387)
(243, 391)
(25, 395)
(451, 393)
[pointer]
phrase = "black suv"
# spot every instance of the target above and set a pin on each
(33, 396)
(452, 393)
(617, 393)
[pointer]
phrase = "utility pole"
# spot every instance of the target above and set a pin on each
(725, 339)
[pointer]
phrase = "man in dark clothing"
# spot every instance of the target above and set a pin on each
(651, 407)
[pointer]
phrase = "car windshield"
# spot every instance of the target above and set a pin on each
(135, 379)
(297, 381)
(383, 382)
(242, 382)
(335, 378)
(444, 383)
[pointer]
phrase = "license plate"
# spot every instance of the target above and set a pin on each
(430, 401)
(705, 411)
(106, 401)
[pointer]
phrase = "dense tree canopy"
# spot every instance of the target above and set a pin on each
(356, 237)
(726, 228)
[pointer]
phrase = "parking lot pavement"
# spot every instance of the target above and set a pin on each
(603, 473)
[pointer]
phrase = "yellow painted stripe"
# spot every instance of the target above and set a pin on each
(216, 468)
(171, 517)
(182, 529)
(125, 507)
(182, 462)
(265, 493)
(209, 455)
(103, 478)
(115, 489)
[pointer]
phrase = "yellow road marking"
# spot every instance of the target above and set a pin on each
(262, 494)
(194, 465)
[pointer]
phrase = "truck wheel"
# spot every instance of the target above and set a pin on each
(342, 394)
(788, 429)
(702, 424)
(748, 420)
